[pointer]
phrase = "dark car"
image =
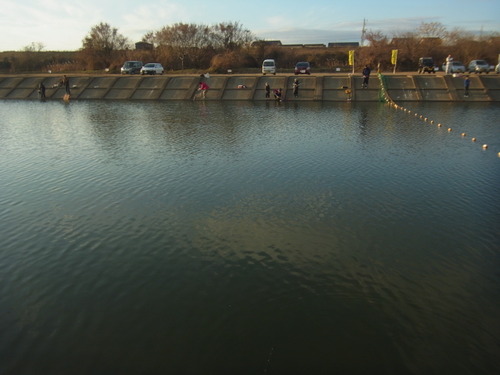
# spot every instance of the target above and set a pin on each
(131, 67)
(426, 65)
(303, 67)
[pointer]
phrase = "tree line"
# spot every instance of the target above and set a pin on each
(430, 40)
(193, 47)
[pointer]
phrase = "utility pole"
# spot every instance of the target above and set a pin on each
(363, 33)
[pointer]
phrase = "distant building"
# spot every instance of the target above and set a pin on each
(277, 43)
(318, 45)
(259, 43)
(143, 46)
(343, 45)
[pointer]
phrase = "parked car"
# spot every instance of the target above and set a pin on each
(269, 66)
(479, 66)
(456, 67)
(152, 68)
(497, 68)
(426, 65)
(303, 67)
(131, 67)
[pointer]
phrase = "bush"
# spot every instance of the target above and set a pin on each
(232, 60)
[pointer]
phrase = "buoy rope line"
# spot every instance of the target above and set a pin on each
(385, 97)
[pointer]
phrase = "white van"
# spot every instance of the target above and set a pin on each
(268, 66)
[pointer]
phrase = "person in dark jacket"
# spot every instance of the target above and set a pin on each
(466, 86)
(41, 90)
(366, 76)
(65, 83)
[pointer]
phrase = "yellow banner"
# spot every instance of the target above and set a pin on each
(394, 57)
(351, 57)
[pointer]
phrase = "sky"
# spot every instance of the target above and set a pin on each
(62, 25)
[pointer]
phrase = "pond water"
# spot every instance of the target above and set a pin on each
(248, 238)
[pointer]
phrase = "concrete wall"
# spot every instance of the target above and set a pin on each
(400, 87)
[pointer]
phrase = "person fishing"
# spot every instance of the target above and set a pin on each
(41, 91)
(295, 87)
(366, 76)
(203, 88)
(466, 86)
(277, 94)
(65, 83)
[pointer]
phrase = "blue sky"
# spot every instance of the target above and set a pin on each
(61, 25)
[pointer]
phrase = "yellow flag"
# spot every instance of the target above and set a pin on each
(351, 57)
(394, 57)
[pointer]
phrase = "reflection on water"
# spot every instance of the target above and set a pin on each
(248, 238)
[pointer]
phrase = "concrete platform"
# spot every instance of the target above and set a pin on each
(321, 87)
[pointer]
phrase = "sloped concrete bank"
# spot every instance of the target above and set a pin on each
(335, 87)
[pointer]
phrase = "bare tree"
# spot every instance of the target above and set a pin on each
(457, 35)
(149, 37)
(101, 45)
(30, 57)
(432, 30)
(409, 48)
(376, 39)
(231, 36)
(377, 53)
(34, 47)
(186, 41)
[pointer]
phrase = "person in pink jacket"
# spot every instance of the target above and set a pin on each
(203, 87)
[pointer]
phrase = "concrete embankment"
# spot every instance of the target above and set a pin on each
(322, 87)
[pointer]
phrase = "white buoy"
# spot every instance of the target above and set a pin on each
(450, 129)
(473, 139)
(463, 134)
(485, 146)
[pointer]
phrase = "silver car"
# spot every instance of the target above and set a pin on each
(152, 68)
(479, 66)
(456, 67)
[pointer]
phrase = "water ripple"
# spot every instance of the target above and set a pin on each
(227, 234)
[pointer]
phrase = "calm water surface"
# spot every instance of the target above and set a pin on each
(248, 238)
